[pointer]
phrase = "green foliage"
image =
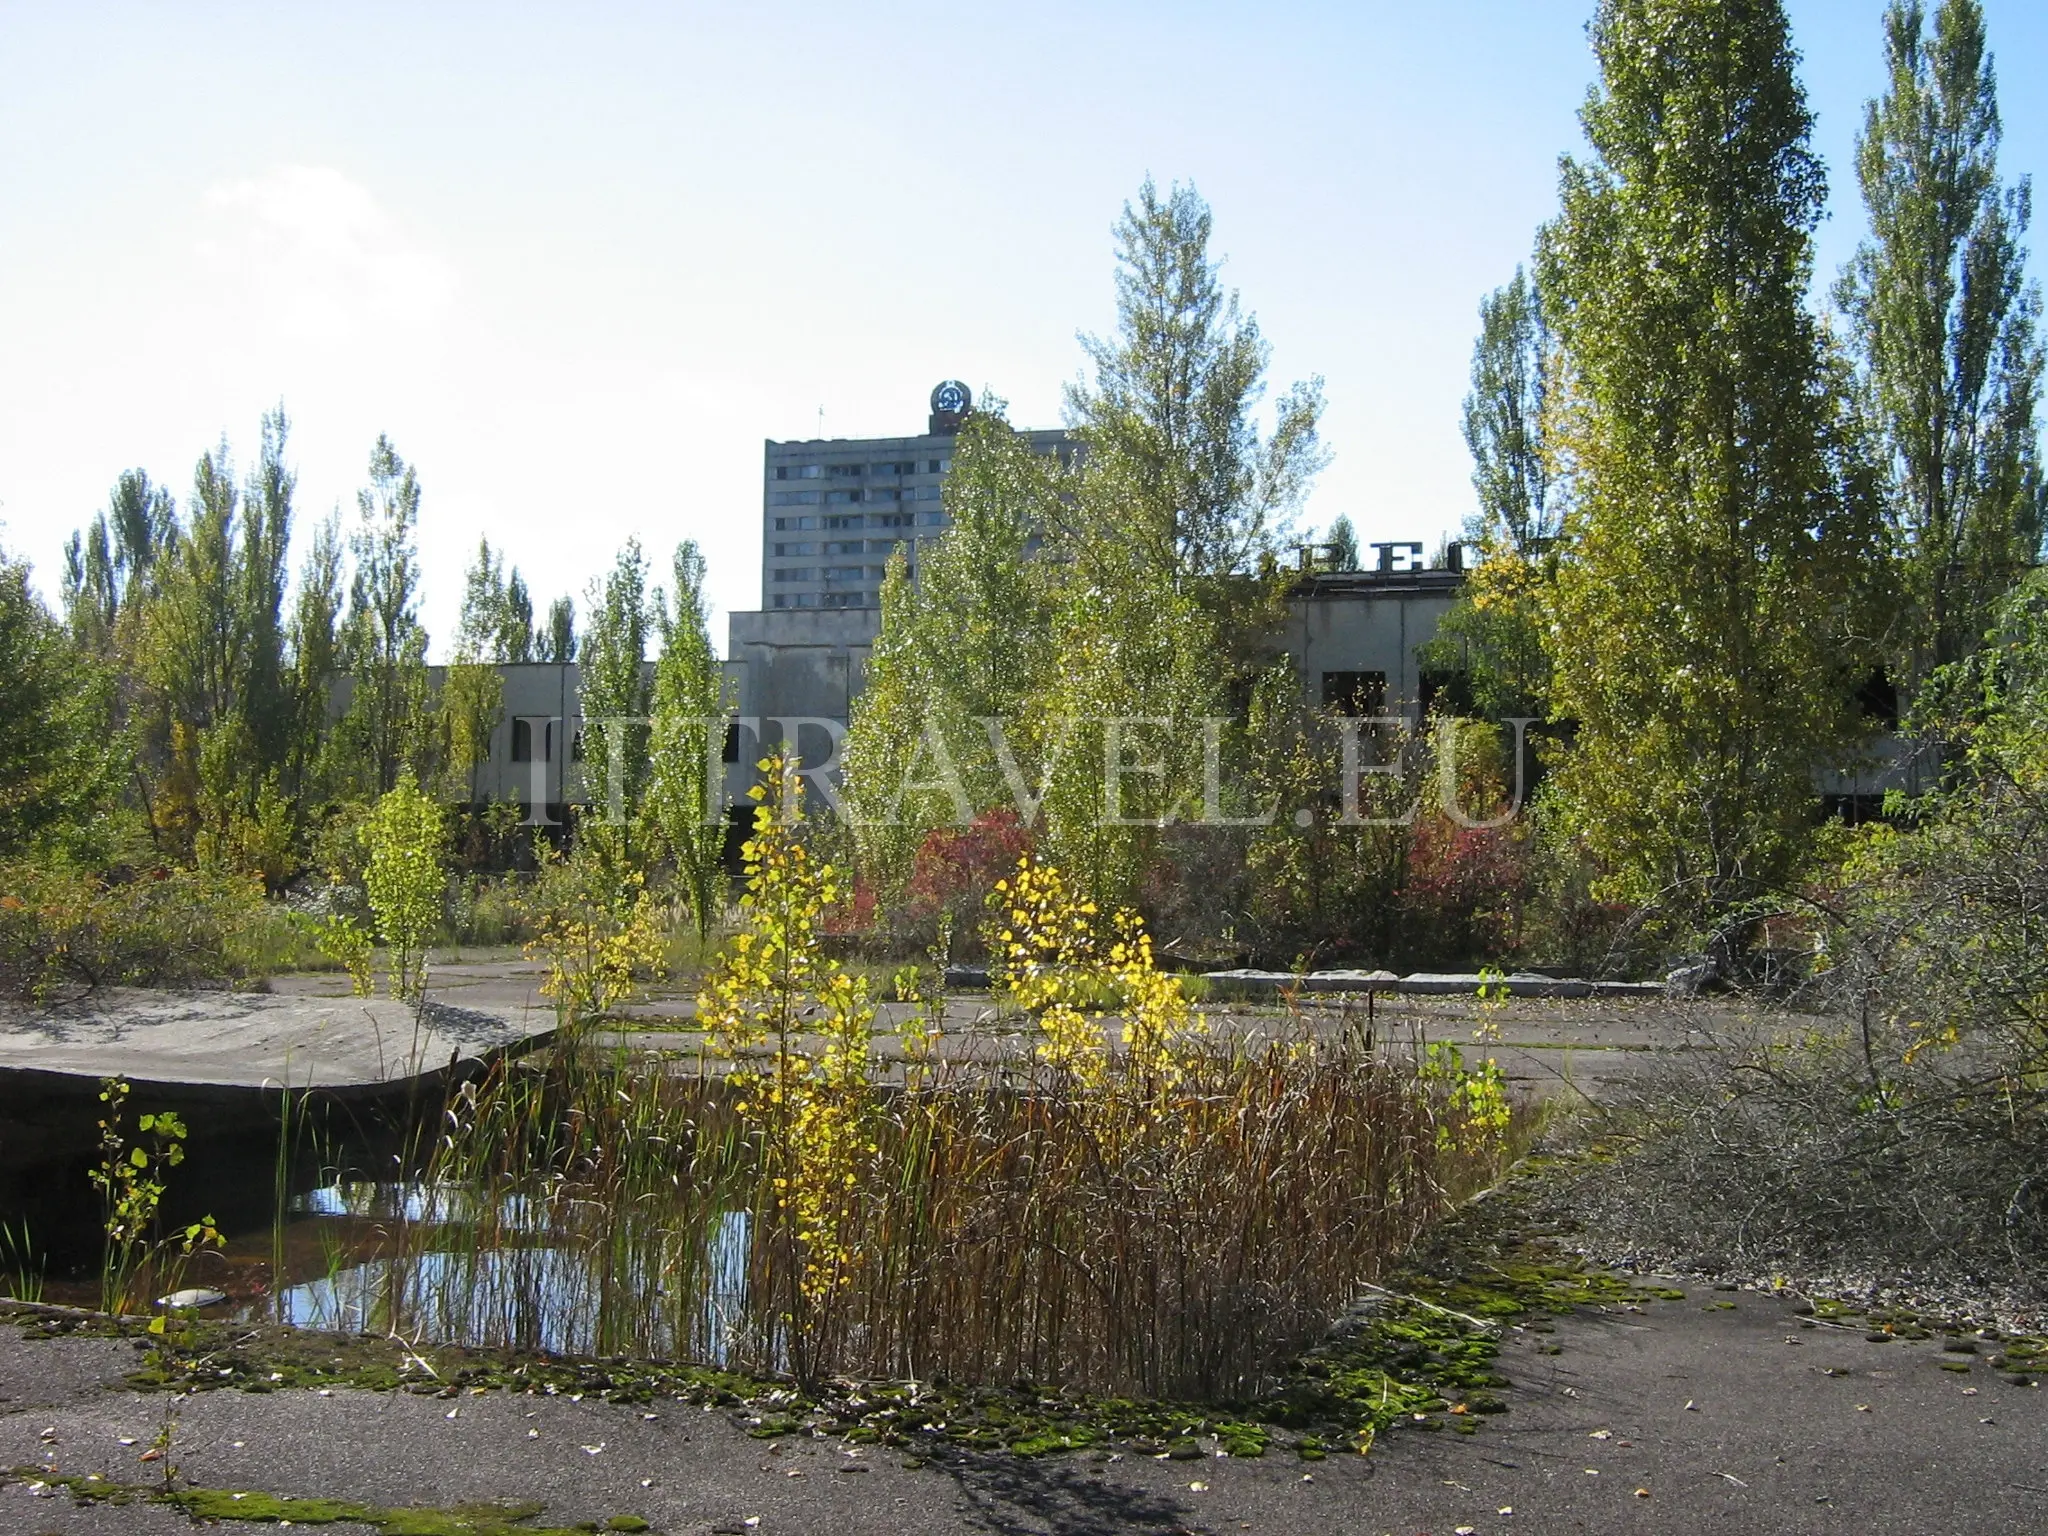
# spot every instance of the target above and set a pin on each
(557, 642)
(59, 764)
(1720, 541)
(686, 739)
(1946, 325)
(615, 688)
(473, 689)
(130, 1179)
(1505, 418)
(387, 726)
(1172, 399)
(63, 929)
(968, 643)
(596, 925)
(1342, 540)
(404, 879)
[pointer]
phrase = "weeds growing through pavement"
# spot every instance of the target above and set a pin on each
(130, 1179)
(1134, 1207)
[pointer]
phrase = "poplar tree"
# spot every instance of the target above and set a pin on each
(60, 765)
(557, 642)
(970, 641)
(1504, 418)
(1493, 633)
(1719, 535)
(615, 686)
(1946, 325)
(686, 731)
(473, 689)
(1342, 540)
(1173, 397)
(388, 715)
(317, 653)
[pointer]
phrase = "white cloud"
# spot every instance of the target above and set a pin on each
(311, 259)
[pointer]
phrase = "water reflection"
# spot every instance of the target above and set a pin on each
(438, 1264)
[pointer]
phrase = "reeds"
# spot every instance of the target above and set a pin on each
(1010, 1223)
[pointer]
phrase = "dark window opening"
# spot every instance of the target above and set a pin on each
(1355, 693)
(1877, 697)
(576, 746)
(522, 741)
(1448, 689)
(730, 752)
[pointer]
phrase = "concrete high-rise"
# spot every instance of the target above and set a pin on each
(834, 509)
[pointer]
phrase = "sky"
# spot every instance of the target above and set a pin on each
(579, 261)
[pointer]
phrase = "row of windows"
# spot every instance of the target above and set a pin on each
(893, 468)
(855, 520)
(827, 600)
(786, 549)
(847, 498)
(807, 573)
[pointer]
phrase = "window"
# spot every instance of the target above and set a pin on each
(875, 495)
(796, 573)
(922, 493)
(849, 600)
(795, 498)
(805, 548)
(841, 498)
(1355, 693)
(576, 746)
(889, 520)
(796, 471)
(844, 572)
(901, 467)
(730, 752)
(522, 741)
(939, 466)
(843, 471)
(842, 522)
(843, 547)
(931, 519)
(884, 546)
(881, 572)
(794, 524)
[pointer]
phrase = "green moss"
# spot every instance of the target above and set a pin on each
(215, 1504)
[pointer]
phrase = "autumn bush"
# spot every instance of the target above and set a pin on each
(65, 931)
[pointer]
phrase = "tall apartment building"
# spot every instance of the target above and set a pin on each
(834, 509)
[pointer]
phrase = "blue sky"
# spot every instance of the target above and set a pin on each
(579, 261)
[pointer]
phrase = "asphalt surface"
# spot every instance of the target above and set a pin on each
(1721, 1413)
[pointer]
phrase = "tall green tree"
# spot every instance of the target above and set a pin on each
(60, 764)
(1720, 538)
(515, 621)
(615, 687)
(473, 689)
(1205, 493)
(317, 655)
(557, 642)
(1494, 633)
(389, 711)
(1946, 325)
(110, 565)
(267, 703)
(1504, 414)
(1342, 540)
(687, 731)
(969, 641)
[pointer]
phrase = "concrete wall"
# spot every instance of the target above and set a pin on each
(1369, 622)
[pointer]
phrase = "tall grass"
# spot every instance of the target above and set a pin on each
(1137, 1208)
(1009, 1222)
